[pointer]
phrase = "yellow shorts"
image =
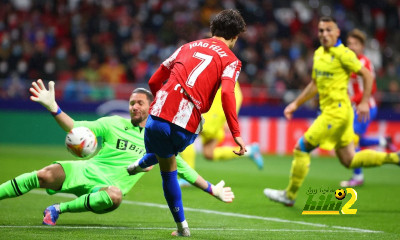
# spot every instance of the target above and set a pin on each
(333, 128)
(215, 120)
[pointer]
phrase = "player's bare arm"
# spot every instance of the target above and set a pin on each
(46, 98)
(309, 92)
(363, 107)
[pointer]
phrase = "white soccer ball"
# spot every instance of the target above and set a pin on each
(81, 142)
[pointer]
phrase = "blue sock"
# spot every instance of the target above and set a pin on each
(173, 195)
(357, 171)
(149, 159)
(366, 142)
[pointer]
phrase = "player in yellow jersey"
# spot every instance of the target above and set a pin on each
(333, 129)
(214, 132)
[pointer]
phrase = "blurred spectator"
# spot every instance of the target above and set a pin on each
(77, 89)
(91, 72)
(124, 41)
(101, 91)
(112, 71)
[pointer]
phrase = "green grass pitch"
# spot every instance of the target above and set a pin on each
(143, 214)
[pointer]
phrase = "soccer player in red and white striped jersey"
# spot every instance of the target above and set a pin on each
(194, 72)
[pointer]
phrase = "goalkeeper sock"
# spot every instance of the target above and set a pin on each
(299, 171)
(224, 153)
(97, 202)
(173, 195)
(19, 185)
(371, 158)
(189, 155)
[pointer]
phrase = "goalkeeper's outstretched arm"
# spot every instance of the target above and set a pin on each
(40, 94)
(219, 191)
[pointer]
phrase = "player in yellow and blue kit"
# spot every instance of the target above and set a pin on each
(333, 129)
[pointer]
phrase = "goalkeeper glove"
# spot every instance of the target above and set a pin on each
(43, 96)
(222, 193)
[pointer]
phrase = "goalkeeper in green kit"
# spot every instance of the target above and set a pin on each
(100, 182)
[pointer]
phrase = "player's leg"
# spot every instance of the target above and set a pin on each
(172, 192)
(104, 200)
(317, 134)
(166, 140)
(365, 158)
(361, 128)
(213, 152)
(299, 170)
(358, 176)
(49, 177)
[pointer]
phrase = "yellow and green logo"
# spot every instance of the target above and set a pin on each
(329, 201)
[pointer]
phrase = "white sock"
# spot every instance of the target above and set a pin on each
(182, 225)
(358, 177)
(382, 142)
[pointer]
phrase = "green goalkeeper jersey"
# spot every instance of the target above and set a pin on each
(122, 143)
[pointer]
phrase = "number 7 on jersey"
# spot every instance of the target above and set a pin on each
(194, 74)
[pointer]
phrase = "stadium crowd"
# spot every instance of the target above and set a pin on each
(91, 48)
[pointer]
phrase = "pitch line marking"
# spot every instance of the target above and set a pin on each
(230, 214)
(165, 228)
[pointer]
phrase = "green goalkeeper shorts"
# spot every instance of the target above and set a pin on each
(87, 176)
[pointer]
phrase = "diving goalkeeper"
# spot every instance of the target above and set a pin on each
(100, 182)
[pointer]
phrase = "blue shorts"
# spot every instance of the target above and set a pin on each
(360, 128)
(164, 138)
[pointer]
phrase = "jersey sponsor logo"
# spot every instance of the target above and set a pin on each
(326, 74)
(126, 145)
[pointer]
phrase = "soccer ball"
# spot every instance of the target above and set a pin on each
(81, 142)
(340, 194)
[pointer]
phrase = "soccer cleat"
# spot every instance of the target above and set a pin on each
(222, 193)
(352, 183)
(51, 214)
(183, 183)
(184, 232)
(134, 168)
(256, 156)
(390, 147)
(278, 196)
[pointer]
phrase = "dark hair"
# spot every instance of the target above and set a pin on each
(327, 19)
(149, 95)
(357, 34)
(227, 24)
